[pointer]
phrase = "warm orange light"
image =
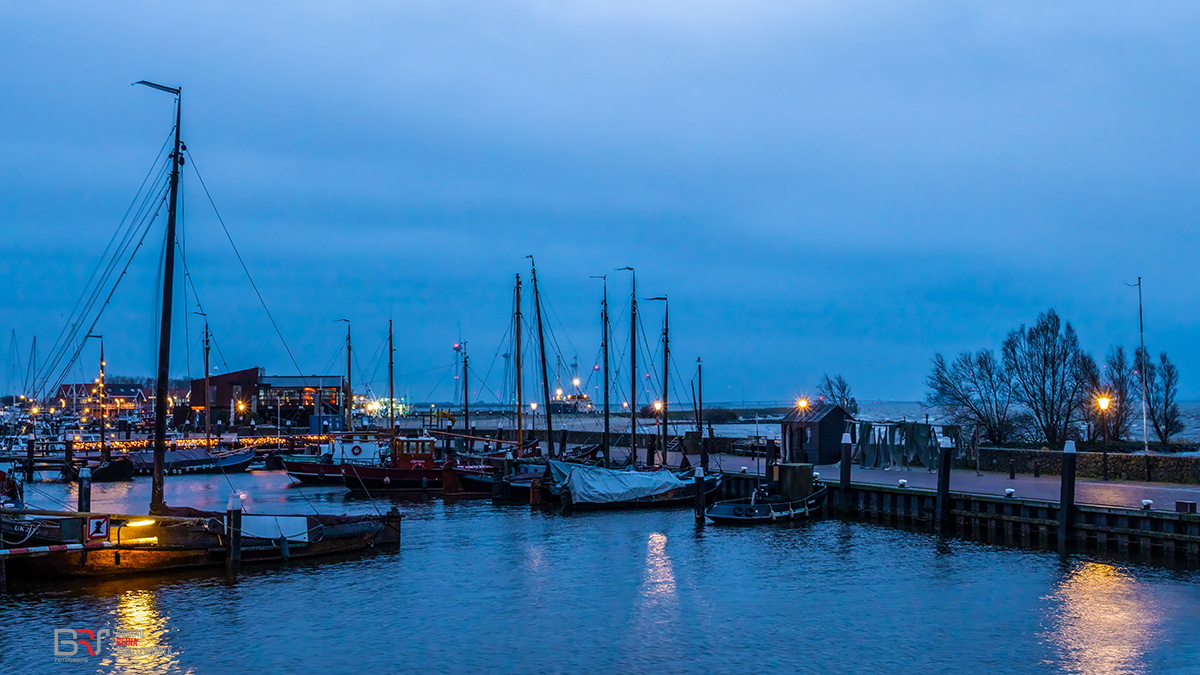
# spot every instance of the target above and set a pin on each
(1103, 402)
(802, 403)
(658, 405)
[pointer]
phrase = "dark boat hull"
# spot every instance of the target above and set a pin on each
(313, 472)
(387, 479)
(742, 512)
(116, 469)
(206, 548)
(196, 461)
(684, 496)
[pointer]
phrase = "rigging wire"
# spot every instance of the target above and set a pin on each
(242, 262)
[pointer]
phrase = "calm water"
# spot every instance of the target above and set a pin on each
(480, 588)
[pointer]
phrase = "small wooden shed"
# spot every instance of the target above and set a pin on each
(813, 434)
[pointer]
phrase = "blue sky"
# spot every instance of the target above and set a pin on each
(820, 187)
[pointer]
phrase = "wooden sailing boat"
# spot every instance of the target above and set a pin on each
(96, 544)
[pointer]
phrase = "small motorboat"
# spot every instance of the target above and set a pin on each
(765, 508)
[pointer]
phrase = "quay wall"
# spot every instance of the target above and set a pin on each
(1164, 536)
(1166, 468)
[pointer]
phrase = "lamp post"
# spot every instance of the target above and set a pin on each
(1103, 402)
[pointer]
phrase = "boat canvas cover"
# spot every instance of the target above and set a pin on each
(295, 528)
(597, 485)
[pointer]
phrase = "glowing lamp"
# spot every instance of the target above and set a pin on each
(1103, 402)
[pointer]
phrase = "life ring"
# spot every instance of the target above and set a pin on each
(739, 511)
(356, 450)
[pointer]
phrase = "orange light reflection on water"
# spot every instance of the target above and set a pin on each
(1102, 626)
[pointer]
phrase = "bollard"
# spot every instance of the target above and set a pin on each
(699, 500)
(844, 481)
(68, 451)
(1066, 499)
(1147, 504)
(1012, 469)
(1010, 493)
(233, 516)
(942, 504)
(85, 491)
(1037, 469)
(29, 460)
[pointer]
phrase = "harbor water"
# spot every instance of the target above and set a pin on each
(483, 588)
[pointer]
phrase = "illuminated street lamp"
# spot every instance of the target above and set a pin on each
(1103, 402)
(802, 403)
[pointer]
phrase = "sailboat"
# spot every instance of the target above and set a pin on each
(99, 544)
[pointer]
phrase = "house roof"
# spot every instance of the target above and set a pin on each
(812, 413)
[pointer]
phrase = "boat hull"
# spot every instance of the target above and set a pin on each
(205, 548)
(388, 479)
(116, 469)
(684, 496)
(743, 512)
(313, 472)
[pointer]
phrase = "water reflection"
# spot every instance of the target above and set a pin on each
(140, 635)
(657, 597)
(1102, 626)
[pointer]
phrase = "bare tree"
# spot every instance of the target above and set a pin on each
(1162, 390)
(1123, 387)
(1089, 412)
(1044, 364)
(837, 390)
(973, 389)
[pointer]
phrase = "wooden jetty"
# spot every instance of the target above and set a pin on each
(1172, 536)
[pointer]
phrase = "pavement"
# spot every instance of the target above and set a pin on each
(1118, 493)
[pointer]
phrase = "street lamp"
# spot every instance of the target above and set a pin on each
(802, 403)
(1103, 402)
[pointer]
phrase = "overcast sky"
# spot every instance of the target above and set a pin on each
(842, 187)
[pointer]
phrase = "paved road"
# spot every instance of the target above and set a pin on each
(1121, 493)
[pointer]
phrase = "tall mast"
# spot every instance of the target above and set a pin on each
(164, 337)
(207, 402)
(103, 416)
(517, 352)
(666, 369)
(537, 303)
(606, 437)
(391, 393)
(604, 440)
(666, 361)
(633, 371)
(700, 413)
(466, 393)
(348, 401)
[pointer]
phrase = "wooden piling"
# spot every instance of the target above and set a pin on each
(85, 490)
(844, 480)
(29, 459)
(698, 504)
(233, 514)
(1066, 501)
(941, 509)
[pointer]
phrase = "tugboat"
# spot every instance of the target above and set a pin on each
(800, 496)
(410, 465)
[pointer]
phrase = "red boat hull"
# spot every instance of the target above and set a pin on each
(387, 479)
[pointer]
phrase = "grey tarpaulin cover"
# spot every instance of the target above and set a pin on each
(597, 485)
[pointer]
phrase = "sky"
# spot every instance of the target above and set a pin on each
(818, 187)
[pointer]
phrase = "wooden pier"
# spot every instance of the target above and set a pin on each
(1166, 536)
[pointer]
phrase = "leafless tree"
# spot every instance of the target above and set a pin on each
(1123, 387)
(837, 390)
(1044, 363)
(973, 389)
(1162, 390)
